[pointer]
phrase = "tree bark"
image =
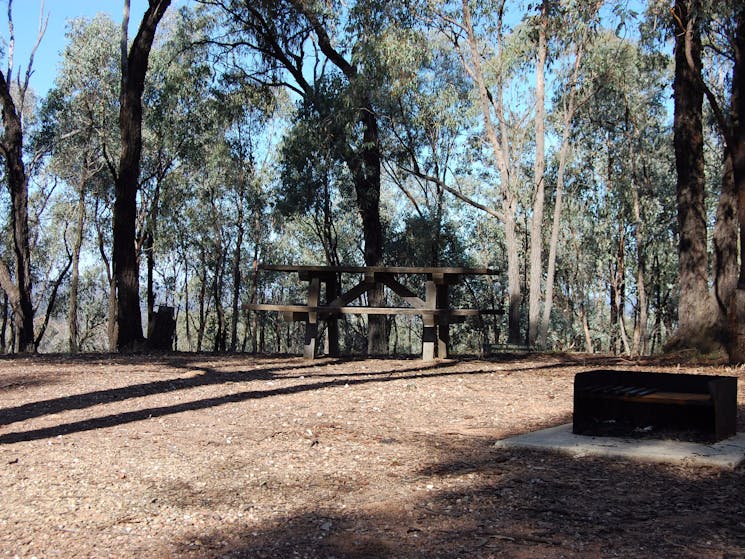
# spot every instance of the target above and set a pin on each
(148, 247)
(586, 328)
(536, 228)
(640, 331)
(72, 314)
(725, 240)
(568, 116)
(237, 276)
(20, 293)
(502, 158)
(203, 304)
(4, 324)
(736, 147)
(640, 328)
(366, 173)
(689, 162)
(126, 267)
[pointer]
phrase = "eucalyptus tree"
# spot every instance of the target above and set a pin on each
(176, 126)
(705, 37)
(496, 57)
(134, 62)
(208, 152)
(574, 29)
(428, 121)
(329, 56)
(314, 182)
(621, 132)
(689, 157)
(14, 98)
(485, 59)
(724, 24)
(80, 112)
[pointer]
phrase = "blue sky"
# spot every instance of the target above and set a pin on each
(26, 22)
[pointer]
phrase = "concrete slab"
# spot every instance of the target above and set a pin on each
(727, 454)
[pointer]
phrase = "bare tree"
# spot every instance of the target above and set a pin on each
(19, 291)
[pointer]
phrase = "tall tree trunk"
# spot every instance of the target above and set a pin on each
(640, 331)
(689, 162)
(4, 324)
(640, 328)
(613, 336)
(19, 291)
(568, 116)
(72, 314)
(536, 228)
(725, 240)
(220, 253)
(737, 141)
(514, 292)
(364, 163)
(220, 333)
(112, 308)
(237, 277)
(736, 147)
(620, 290)
(500, 150)
(126, 184)
(187, 317)
(202, 303)
(365, 166)
(586, 328)
(148, 247)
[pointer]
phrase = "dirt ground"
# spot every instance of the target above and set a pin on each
(200, 456)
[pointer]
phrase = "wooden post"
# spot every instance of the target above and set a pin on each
(332, 322)
(311, 324)
(429, 321)
(443, 324)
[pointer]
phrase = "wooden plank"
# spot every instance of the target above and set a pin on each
(429, 326)
(443, 326)
(289, 316)
(401, 290)
(325, 276)
(681, 398)
(354, 293)
(326, 310)
(332, 323)
(654, 397)
(380, 269)
(311, 325)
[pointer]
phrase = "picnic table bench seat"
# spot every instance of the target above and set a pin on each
(434, 307)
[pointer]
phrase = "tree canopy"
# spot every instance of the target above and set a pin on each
(591, 153)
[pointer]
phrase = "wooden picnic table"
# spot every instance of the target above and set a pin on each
(434, 308)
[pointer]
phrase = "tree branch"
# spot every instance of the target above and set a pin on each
(456, 193)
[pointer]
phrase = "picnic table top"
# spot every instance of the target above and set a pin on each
(379, 269)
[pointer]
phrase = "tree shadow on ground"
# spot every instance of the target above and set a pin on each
(476, 501)
(205, 376)
(316, 374)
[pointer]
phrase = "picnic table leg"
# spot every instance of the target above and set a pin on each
(311, 325)
(332, 323)
(443, 326)
(429, 321)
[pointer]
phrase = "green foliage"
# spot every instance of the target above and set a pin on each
(248, 157)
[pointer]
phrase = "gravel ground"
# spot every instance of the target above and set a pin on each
(202, 456)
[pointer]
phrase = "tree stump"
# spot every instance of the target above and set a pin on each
(162, 330)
